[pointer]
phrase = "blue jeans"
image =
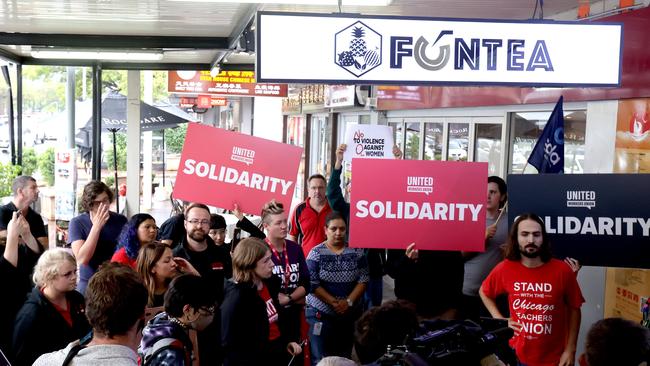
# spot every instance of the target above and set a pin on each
(374, 293)
(336, 334)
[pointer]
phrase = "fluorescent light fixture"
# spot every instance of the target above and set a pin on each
(121, 55)
(300, 2)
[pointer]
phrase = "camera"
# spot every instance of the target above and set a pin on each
(442, 343)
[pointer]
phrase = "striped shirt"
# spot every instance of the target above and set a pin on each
(337, 274)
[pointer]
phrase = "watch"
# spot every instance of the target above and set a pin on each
(350, 303)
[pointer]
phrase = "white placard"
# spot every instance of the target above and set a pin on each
(65, 181)
(339, 96)
(356, 49)
(368, 141)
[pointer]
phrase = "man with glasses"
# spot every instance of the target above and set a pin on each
(308, 218)
(210, 260)
(213, 264)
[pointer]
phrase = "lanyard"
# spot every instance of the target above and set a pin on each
(283, 259)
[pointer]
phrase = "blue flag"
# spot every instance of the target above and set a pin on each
(548, 154)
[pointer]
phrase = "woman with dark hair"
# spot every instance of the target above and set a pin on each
(140, 230)
(157, 266)
(338, 275)
(53, 314)
(250, 330)
(93, 234)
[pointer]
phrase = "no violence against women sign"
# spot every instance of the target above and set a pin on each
(439, 205)
(221, 168)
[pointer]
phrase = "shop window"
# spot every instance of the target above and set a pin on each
(322, 138)
(433, 141)
(412, 150)
(296, 136)
(528, 126)
(487, 146)
(457, 147)
(398, 134)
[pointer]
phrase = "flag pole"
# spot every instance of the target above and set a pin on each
(501, 213)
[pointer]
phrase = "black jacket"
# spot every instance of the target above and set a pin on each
(245, 323)
(434, 283)
(39, 328)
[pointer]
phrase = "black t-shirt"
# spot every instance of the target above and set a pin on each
(173, 229)
(214, 264)
(34, 220)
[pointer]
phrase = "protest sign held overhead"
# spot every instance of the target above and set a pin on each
(368, 141)
(438, 205)
(220, 168)
(599, 219)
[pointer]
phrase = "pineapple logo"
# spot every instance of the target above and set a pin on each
(357, 49)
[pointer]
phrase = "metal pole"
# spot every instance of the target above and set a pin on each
(19, 114)
(97, 123)
(117, 194)
(10, 117)
(163, 156)
(69, 105)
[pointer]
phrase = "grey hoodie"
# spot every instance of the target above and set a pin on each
(101, 355)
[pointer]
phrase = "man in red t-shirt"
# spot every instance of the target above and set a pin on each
(543, 296)
(308, 218)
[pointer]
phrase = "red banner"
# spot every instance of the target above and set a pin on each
(439, 205)
(221, 168)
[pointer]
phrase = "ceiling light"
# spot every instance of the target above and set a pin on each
(122, 55)
(300, 2)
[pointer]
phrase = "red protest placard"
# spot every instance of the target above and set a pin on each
(439, 205)
(220, 168)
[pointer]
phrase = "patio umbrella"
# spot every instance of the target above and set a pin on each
(114, 119)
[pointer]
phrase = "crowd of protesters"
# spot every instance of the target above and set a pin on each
(292, 293)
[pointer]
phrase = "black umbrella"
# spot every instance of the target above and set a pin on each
(114, 120)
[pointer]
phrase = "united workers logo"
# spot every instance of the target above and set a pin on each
(419, 185)
(581, 199)
(357, 48)
(550, 147)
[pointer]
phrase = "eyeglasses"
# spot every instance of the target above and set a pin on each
(199, 222)
(209, 310)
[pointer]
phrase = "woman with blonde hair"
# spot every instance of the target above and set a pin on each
(158, 267)
(250, 330)
(54, 313)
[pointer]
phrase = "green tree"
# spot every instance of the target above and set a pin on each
(8, 173)
(175, 138)
(30, 161)
(413, 146)
(46, 166)
(120, 141)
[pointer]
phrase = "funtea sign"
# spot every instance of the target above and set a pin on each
(352, 48)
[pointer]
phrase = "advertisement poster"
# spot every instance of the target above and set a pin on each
(438, 205)
(633, 136)
(368, 141)
(65, 179)
(227, 82)
(221, 168)
(626, 291)
(599, 219)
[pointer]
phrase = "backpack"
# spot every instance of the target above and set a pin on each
(162, 345)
